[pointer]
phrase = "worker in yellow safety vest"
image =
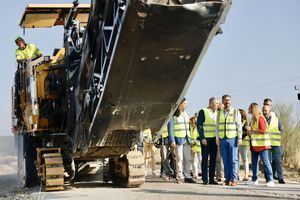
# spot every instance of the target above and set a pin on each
(149, 151)
(179, 135)
(26, 52)
(206, 125)
(229, 136)
(275, 132)
(195, 148)
(260, 144)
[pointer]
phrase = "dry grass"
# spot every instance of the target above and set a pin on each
(291, 135)
(297, 159)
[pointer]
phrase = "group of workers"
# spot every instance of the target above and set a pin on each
(190, 146)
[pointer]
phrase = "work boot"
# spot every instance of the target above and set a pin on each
(234, 183)
(165, 177)
(189, 180)
(246, 177)
(226, 183)
(219, 179)
(179, 180)
(281, 181)
(213, 182)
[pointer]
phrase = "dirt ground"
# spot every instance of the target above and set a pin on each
(154, 188)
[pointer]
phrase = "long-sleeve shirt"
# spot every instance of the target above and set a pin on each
(238, 121)
(171, 130)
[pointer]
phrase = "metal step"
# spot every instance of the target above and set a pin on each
(54, 188)
(54, 171)
(53, 160)
(50, 155)
(54, 182)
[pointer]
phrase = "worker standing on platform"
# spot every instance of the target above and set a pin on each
(25, 51)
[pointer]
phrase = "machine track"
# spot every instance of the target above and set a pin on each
(127, 171)
(136, 169)
(51, 169)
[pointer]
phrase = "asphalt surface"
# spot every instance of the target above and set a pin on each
(157, 188)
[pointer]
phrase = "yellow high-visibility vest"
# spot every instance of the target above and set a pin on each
(165, 133)
(147, 135)
(274, 132)
(30, 52)
(246, 140)
(209, 125)
(258, 139)
(194, 136)
(227, 126)
(181, 126)
(273, 114)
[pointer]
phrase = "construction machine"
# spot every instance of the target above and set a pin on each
(124, 66)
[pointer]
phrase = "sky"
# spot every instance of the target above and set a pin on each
(257, 56)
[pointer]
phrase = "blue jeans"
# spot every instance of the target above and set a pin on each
(229, 153)
(275, 157)
(267, 166)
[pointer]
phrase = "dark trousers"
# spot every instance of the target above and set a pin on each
(209, 151)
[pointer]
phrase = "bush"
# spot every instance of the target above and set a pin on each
(291, 134)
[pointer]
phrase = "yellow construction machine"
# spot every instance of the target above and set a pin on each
(124, 66)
